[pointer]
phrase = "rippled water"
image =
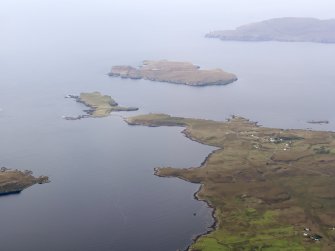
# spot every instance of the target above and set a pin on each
(103, 194)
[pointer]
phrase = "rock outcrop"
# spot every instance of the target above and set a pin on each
(14, 181)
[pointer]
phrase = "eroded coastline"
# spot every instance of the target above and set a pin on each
(271, 188)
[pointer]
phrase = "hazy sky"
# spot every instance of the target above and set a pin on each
(27, 22)
(207, 13)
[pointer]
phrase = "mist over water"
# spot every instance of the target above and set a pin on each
(103, 194)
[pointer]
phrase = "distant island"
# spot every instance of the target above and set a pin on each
(289, 29)
(100, 105)
(271, 189)
(174, 72)
(14, 181)
(318, 122)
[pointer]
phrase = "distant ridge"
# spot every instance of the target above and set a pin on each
(287, 29)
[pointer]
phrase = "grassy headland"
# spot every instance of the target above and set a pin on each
(100, 105)
(271, 189)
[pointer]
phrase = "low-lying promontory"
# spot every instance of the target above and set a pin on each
(174, 72)
(100, 105)
(288, 29)
(14, 181)
(271, 189)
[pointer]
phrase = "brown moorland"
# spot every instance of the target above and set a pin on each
(174, 72)
(271, 189)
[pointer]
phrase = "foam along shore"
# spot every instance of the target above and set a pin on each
(14, 181)
(266, 185)
(99, 105)
(174, 72)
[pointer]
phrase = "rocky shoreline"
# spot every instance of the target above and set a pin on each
(15, 181)
(212, 227)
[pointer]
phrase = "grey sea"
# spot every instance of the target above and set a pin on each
(103, 194)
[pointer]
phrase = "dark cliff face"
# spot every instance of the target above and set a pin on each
(282, 29)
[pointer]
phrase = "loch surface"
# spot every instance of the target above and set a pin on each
(103, 194)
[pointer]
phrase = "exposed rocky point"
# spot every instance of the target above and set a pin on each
(14, 181)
